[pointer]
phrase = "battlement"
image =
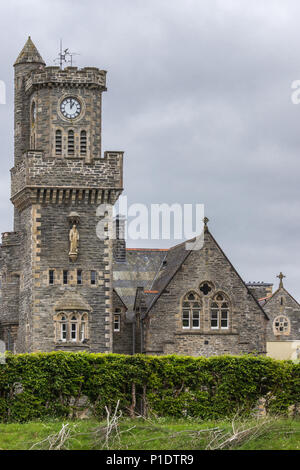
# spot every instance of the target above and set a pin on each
(72, 76)
(10, 238)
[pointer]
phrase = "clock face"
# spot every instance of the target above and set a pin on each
(70, 108)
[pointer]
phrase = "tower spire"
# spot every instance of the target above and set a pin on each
(29, 54)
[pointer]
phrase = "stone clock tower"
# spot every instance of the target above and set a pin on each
(56, 272)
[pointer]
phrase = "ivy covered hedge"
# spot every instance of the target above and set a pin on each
(60, 384)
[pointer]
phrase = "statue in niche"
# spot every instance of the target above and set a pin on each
(74, 239)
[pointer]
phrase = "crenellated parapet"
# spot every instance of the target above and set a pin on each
(90, 77)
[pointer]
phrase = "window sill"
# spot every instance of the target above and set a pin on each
(71, 344)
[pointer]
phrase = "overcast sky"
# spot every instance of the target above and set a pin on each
(199, 98)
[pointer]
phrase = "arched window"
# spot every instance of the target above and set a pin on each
(73, 331)
(191, 307)
(281, 325)
(71, 143)
(63, 327)
(71, 327)
(83, 143)
(33, 113)
(219, 312)
(58, 142)
(83, 328)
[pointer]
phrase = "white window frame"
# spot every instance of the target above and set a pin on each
(188, 318)
(192, 319)
(227, 319)
(188, 310)
(82, 331)
(218, 311)
(117, 316)
(75, 323)
(63, 329)
(214, 310)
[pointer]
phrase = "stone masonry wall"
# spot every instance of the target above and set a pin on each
(37, 170)
(49, 229)
(123, 339)
(247, 323)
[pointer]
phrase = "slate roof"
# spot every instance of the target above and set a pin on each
(139, 270)
(153, 270)
(29, 53)
(71, 300)
(267, 299)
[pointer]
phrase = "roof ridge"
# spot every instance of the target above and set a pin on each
(147, 249)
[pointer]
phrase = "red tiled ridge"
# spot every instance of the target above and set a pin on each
(264, 298)
(151, 291)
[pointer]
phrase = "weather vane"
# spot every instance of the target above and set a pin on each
(65, 56)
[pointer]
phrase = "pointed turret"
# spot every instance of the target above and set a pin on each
(29, 54)
(27, 62)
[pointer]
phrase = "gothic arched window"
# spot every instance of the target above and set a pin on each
(191, 306)
(63, 327)
(71, 327)
(71, 143)
(281, 325)
(83, 327)
(219, 312)
(74, 328)
(33, 113)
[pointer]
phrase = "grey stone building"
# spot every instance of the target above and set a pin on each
(56, 273)
(283, 329)
(65, 287)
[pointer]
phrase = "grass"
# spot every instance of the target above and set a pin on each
(155, 434)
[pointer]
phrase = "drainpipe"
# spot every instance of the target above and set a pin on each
(133, 336)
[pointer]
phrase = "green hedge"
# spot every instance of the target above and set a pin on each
(43, 385)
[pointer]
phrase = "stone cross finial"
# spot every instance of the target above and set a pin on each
(281, 276)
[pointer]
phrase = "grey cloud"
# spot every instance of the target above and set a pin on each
(199, 99)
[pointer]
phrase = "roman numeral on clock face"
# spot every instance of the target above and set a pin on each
(70, 108)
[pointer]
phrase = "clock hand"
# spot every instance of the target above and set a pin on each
(71, 103)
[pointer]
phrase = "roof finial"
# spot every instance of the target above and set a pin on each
(281, 276)
(205, 221)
